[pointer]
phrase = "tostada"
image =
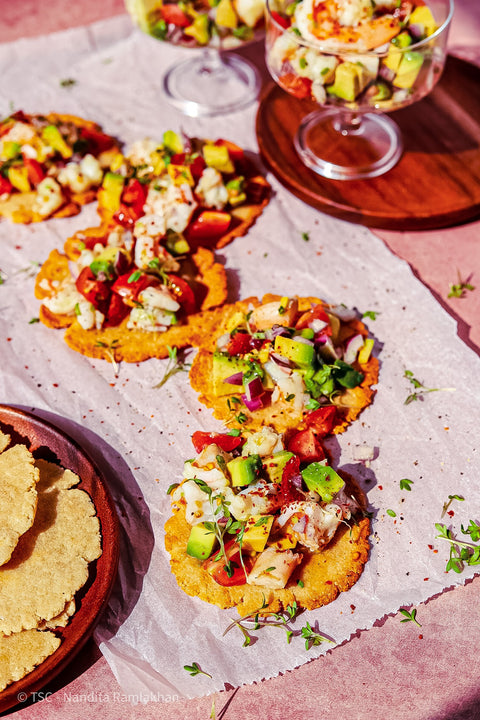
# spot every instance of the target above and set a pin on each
(51, 165)
(122, 295)
(286, 362)
(197, 192)
(255, 526)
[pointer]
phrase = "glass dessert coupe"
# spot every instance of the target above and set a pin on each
(356, 73)
(213, 81)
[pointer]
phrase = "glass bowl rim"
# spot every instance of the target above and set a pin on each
(341, 51)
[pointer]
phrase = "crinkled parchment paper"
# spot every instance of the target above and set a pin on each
(141, 435)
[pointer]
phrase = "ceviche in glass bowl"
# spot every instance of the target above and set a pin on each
(214, 81)
(357, 59)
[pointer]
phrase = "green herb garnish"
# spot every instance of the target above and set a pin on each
(194, 669)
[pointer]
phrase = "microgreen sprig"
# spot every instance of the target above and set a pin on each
(195, 669)
(447, 504)
(420, 388)
(410, 616)
(174, 365)
(460, 288)
(461, 553)
(110, 352)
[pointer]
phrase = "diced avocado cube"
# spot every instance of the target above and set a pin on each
(111, 191)
(257, 530)
(422, 15)
(323, 480)
(275, 464)
(408, 69)
(244, 470)
(172, 141)
(350, 80)
(53, 137)
(300, 353)
(217, 157)
(223, 366)
(199, 29)
(18, 176)
(201, 542)
(10, 150)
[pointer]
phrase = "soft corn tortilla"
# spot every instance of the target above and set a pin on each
(21, 652)
(207, 278)
(50, 562)
(324, 574)
(18, 496)
(19, 206)
(280, 415)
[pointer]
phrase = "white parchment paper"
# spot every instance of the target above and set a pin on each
(140, 436)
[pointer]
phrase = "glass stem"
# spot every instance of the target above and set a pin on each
(211, 61)
(348, 123)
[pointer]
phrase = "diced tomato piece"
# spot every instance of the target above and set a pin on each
(178, 159)
(235, 151)
(171, 13)
(98, 141)
(240, 344)
(322, 420)
(90, 242)
(315, 313)
(291, 470)
(197, 166)
(209, 225)
(95, 291)
(299, 86)
(117, 311)
(224, 441)
(306, 446)
(218, 568)
(134, 193)
(35, 171)
(183, 294)
(128, 286)
(5, 185)
(280, 20)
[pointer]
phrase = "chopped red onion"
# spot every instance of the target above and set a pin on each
(235, 379)
(280, 360)
(252, 405)
(254, 388)
(317, 325)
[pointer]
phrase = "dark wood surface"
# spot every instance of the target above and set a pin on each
(435, 184)
(46, 441)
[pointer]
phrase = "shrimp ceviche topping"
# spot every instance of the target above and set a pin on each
(280, 360)
(251, 519)
(199, 22)
(352, 51)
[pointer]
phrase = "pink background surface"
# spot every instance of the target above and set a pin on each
(393, 670)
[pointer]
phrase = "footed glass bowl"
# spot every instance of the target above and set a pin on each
(390, 57)
(213, 81)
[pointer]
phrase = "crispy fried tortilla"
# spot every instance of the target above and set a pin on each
(206, 277)
(280, 413)
(323, 575)
(33, 158)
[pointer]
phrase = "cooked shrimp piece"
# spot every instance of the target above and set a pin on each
(350, 24)
(272, 568)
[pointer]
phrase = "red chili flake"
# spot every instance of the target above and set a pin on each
(426, 579)
(430, 547)
(420, 637)
(352, 607)
(380, 487)
(328, 582)
(55, 384)
(451, 513)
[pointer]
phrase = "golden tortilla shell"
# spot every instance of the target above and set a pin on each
(324, 574)
(281, 415)
(206, 277)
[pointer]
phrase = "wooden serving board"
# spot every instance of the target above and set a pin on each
(435, 184)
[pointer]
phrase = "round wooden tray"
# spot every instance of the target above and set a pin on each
(45, 440)
(435, 184)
